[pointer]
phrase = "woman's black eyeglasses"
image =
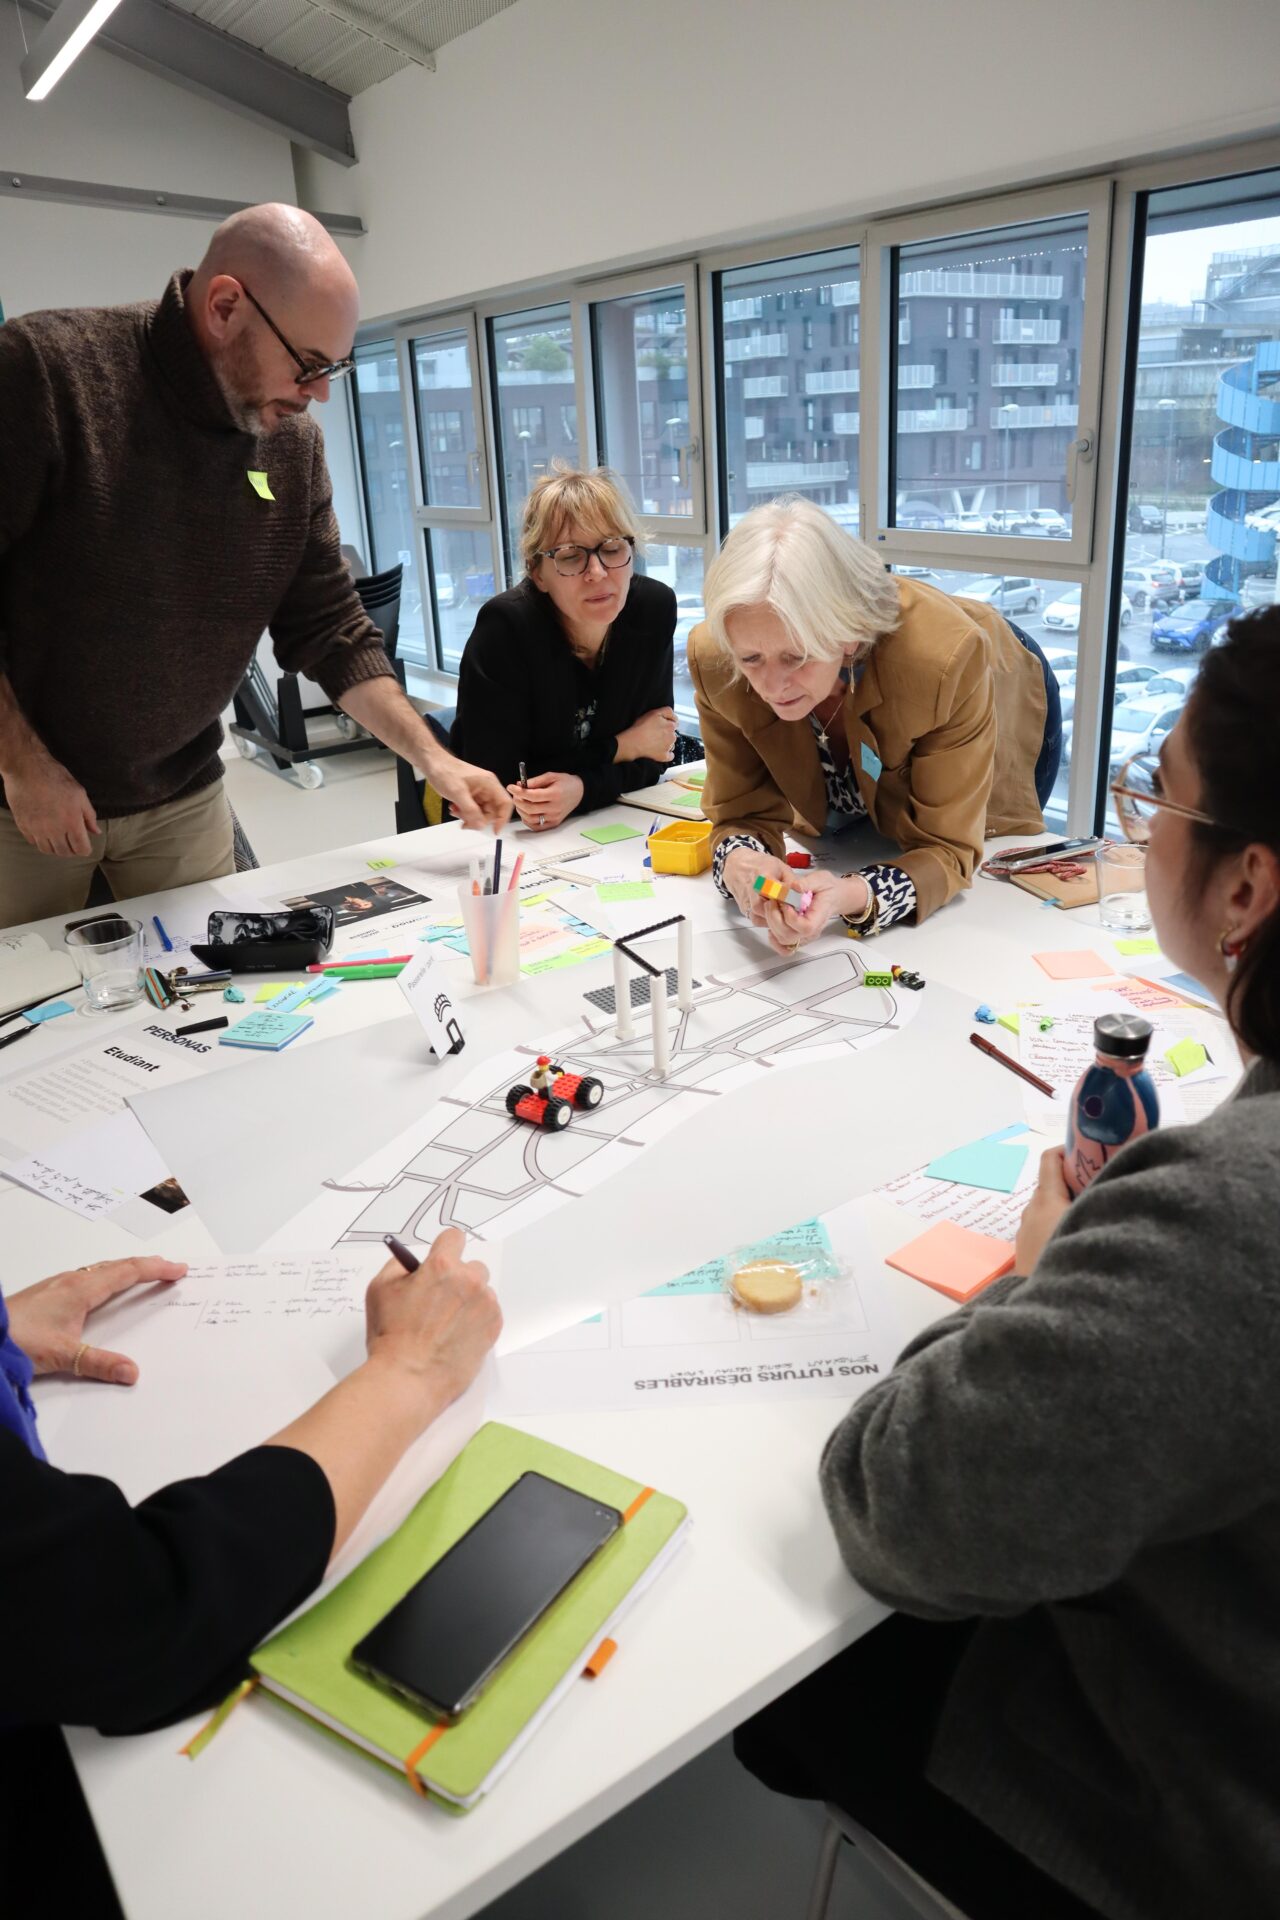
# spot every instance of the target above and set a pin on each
(569, 560)
(333, 371)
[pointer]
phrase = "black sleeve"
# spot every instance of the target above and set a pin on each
(126, 1618)
(654, 688)
(494, 724)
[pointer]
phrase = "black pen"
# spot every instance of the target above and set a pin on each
(409, 1261)
(21, 1034)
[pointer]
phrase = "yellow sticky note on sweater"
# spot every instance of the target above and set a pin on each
(260, 484)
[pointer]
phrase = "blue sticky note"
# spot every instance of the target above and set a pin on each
(290, 997)
(1015, 1132)
(39, 1014)
(992, 1164)
(266, 1030)
(872, 764)
(321, 990)
(1186, 983)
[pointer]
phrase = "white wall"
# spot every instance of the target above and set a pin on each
(567, 133)
(110, 123)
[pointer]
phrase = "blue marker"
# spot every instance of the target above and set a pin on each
(159, 927)
(653, 828)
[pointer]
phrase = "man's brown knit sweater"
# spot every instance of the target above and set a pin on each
(139, 566)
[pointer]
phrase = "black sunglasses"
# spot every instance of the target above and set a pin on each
(335, 370)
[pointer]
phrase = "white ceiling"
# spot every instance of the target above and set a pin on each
(351, 44)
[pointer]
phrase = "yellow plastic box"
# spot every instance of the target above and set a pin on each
(683, 846)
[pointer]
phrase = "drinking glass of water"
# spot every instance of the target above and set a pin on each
(1122, 888)
(110, 954)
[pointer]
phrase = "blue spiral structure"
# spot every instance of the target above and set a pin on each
(1249, 404)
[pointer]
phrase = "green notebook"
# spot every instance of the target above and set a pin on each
(306, 1663)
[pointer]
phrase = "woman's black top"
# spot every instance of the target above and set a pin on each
(523, 695)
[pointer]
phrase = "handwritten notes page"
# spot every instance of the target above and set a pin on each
(1061, 1055)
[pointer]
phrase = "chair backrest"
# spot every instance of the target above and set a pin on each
(380, 598)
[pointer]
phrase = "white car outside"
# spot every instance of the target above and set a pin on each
(966, 523)
(1064, 613)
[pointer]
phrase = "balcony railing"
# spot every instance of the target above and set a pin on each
(746, 309)
(757, 346)
(1009, 332)
(845, 423)
(1040, 373)
(753, 426)
(846, 293)
(837, 380)
(931, 419)
(919, 373)
(766, 386)
(1063, 413)
(772, 476)
(961, 283)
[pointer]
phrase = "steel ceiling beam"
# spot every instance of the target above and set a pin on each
(15, 184)
(175, 46)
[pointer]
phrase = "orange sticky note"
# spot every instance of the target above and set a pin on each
(1072, 965)
(955, 1260)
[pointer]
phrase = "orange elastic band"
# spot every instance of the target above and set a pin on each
(412, 1759)
(645, 1493)
(599, 1659)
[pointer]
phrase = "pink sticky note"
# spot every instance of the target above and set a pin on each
(1141, 995)
(1072, 965)
(955, 1260)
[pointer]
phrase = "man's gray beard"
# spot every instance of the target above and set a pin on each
(246, 413)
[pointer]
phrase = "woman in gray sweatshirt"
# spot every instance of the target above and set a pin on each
(1074, 1485)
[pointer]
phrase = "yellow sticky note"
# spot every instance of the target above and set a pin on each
(379, 863)
(274, 987)
(1011, 1021)
(1186, 1056)
(260, 484)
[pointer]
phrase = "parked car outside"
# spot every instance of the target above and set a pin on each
(1145, 586)
(1007, 520)
(966, 523)
(1048, 520)
(1145, 517)
(1007, 593)
(926, 574)
(1168, 571)
(1175, 681)
(1138, 726)
(1192, 579)
(1259, 590)
(920, 516)
(1065, 611)
(1190, 628)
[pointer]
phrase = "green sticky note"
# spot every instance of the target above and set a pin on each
(260, 484)
(1137, 946)
(625, 890)
(379, 863)
(1186, 1056)
(1009, 1020)
(605, 836)
(680, 797)
(694, 780)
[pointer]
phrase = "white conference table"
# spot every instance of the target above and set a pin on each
(275, 1819)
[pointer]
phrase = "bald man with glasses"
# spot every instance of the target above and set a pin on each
(164, 499)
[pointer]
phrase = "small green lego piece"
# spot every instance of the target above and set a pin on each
(877, 979)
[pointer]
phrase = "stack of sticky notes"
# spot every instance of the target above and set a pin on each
(954, 1260)
(266, 1030)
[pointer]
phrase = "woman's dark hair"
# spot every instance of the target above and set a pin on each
(1232, 719)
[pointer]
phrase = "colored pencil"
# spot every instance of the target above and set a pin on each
(515, 873)
(997, 1053)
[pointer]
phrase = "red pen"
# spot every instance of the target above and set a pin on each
(375, 960)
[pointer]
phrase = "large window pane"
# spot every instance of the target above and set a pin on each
(533, 378)
(986, 363)
(681, 569)
(642, 385)
(447, 427)
(388, 496)
(789, 383)
(461, 580)
(1202, 504)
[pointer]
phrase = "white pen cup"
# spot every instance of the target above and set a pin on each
(492, 923)
(110, 954)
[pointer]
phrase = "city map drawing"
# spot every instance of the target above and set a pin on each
(467, 1163)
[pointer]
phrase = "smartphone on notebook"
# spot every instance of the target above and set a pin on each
(445, 1640)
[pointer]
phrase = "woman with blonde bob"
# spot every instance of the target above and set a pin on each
(830, 692)
(565, 687)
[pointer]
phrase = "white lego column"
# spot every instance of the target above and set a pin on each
(658, 1020)
(622, 995)
(684, 966)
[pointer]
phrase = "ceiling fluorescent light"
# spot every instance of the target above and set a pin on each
(65, 37)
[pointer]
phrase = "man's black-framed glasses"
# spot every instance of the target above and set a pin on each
(612, 553)
(335, 369)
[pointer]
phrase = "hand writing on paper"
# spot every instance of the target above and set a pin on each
(1043, 1211)
(438, 1322)
(47, 1319)
(547, 799)
(50, 808)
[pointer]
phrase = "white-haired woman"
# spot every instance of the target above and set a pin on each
(830, 692)
(565, 687)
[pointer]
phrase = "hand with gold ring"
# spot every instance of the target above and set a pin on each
(47, 1320)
